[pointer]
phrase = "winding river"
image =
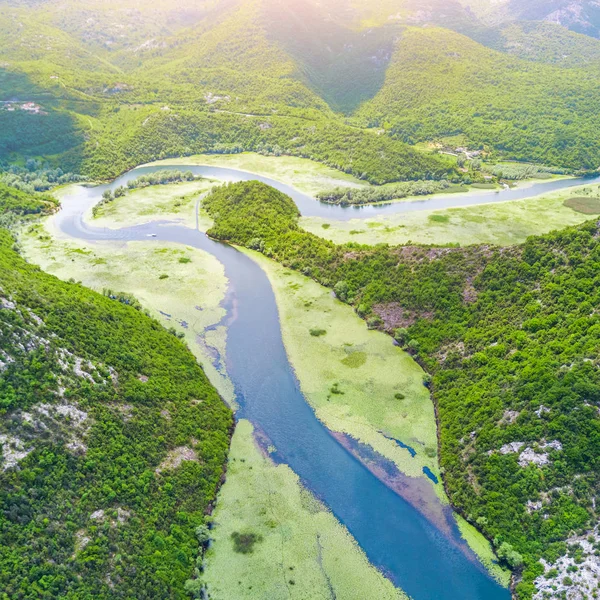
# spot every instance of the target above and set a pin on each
(426, 562)
(311, 208)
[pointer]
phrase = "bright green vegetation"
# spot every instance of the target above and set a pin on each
(20, 203)
(135, 136)
(483, 549)
(366, 195)
(305, 175)
(176, 202)
(503, 224)
(185, 296)
(495, 100)
(517, 363)
(118, 436)
(511, 340)
(362, 367)
(299, 549)
(97, 95)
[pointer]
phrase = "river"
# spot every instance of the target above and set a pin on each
(309, 207)
(426, 562)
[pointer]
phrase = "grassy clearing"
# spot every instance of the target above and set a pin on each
(184, 295)
(504, 224)
(305, 175)
(173, 202)
(298, 550)
(484, 551)
(354, 378)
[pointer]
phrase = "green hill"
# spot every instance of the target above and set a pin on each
(100, 73)
(113, 443)
(441, 83)
(511, 339)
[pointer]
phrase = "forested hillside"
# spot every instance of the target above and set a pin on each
(113, 443)
(97, 89)
(441, 83)
(582, 16)
(511, 338)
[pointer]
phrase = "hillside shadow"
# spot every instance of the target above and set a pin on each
(344, 66)
(36, 123)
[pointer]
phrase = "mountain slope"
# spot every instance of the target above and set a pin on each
(531, 95)
(441, 83)
(582, 16)
(113, 443)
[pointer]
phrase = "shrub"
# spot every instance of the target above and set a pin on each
(317, 332)
(244, 543)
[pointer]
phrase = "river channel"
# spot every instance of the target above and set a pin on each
(428, 563)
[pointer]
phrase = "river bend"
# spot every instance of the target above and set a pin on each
(417, 556)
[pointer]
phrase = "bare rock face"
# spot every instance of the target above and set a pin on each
(573, 576)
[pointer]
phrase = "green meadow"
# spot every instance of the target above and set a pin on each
(295, 548)
(504, 223)
(173, 202)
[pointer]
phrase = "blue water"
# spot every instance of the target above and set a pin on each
(309, 207)
(426, 562)
(430, 474)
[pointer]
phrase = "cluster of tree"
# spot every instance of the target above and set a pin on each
(518, 172)
(146, 397)
(13, 200)
(366, 195)
(511, 338)
(35, 176)
(161, 178)
(131, 137)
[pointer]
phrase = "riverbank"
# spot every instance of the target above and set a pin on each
(297, 548)
(181, 287)
(357, 380)
(504, 223)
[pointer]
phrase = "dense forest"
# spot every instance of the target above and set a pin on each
(113, 443)
(511, 339)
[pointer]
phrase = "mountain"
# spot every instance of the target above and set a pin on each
(582, 16)
(265, 75)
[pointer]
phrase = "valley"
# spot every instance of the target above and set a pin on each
(299, 299)
(340, 407)
(357, 428)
